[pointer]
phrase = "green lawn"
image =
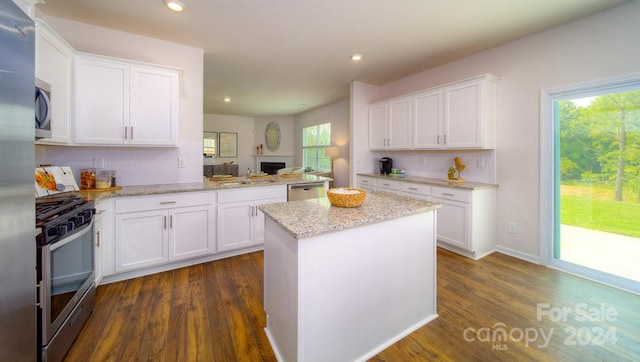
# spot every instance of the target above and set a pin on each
(600, 214)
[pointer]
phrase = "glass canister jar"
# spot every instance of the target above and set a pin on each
(111, 174)
(103, 182)
(87, 178)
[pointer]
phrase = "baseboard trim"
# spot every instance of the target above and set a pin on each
(518, 254)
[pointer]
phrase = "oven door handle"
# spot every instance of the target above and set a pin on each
(80, 233)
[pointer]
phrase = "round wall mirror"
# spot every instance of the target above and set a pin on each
(272, 136)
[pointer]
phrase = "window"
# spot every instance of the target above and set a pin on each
(591, 192)
(210, 144)
(314, 140)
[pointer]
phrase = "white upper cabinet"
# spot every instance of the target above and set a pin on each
(124, 103)
(390, 125)
(153, 106)
(54, 65)
(459, 115)
(469, 114)
(427, 120)
(378, 127)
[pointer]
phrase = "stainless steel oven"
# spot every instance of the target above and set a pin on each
(65, 269)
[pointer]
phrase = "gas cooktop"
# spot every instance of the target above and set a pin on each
(59, 214)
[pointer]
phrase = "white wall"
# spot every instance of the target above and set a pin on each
(243, 126)
(599, 46)
(336, 113)
(286, 135)
(138, 166)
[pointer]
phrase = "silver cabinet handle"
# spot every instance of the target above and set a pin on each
(413, 188)
(125, 132)
(164, 221)
(438, 139)
(131, 132)
(98, 238)
(445, 139)
(170, 221)
(167, 202)
(446, 194)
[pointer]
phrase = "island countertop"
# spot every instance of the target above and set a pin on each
(307, 218)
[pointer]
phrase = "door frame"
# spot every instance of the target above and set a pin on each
(548, 174)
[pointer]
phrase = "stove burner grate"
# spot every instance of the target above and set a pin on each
(47, 207)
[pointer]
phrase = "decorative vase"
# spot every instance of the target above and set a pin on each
(451, 176)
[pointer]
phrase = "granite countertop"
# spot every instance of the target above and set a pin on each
(433, 181)
(307, 218)
(205, 185)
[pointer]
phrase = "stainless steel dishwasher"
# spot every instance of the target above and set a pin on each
(313, 190)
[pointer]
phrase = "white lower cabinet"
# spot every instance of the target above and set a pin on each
(466, 220)
(391, 186)
(240, 221)
(98, 241)
(419, 191)
(367, 183)
(153, 230)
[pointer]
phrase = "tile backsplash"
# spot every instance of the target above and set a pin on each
(133, 165)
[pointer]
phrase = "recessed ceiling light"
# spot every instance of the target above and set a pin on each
(175, 5)
(356, 57)
(227, 99)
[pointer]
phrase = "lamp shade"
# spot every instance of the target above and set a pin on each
(332, 152)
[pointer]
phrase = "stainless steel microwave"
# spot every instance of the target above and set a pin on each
(43, 109)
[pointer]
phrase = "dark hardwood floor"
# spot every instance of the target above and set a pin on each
(497, 308)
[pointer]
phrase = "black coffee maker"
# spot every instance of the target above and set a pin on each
(386, 164)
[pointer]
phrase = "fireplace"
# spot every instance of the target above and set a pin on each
(271, 168)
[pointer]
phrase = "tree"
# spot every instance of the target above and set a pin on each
(576, 144)
(614, 121)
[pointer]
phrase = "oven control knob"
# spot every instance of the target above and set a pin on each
(86, 214)
(61, 229)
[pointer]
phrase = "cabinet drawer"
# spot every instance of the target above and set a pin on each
(420, 189)
(451, 194)
(252, 194)
(164, 201)
(388, 184)
(366, 181)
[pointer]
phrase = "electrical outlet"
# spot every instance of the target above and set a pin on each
(182, 162)
(513, 228)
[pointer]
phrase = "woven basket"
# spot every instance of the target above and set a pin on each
(346, 200)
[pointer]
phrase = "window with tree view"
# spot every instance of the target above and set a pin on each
(314, 141)
(597, 180)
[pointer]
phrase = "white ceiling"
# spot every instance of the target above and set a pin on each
(283, 57)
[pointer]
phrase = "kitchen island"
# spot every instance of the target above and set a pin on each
(342, 284)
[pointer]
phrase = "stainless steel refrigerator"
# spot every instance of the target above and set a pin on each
(17, 192)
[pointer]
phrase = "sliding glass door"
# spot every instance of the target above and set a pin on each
(594, 182)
